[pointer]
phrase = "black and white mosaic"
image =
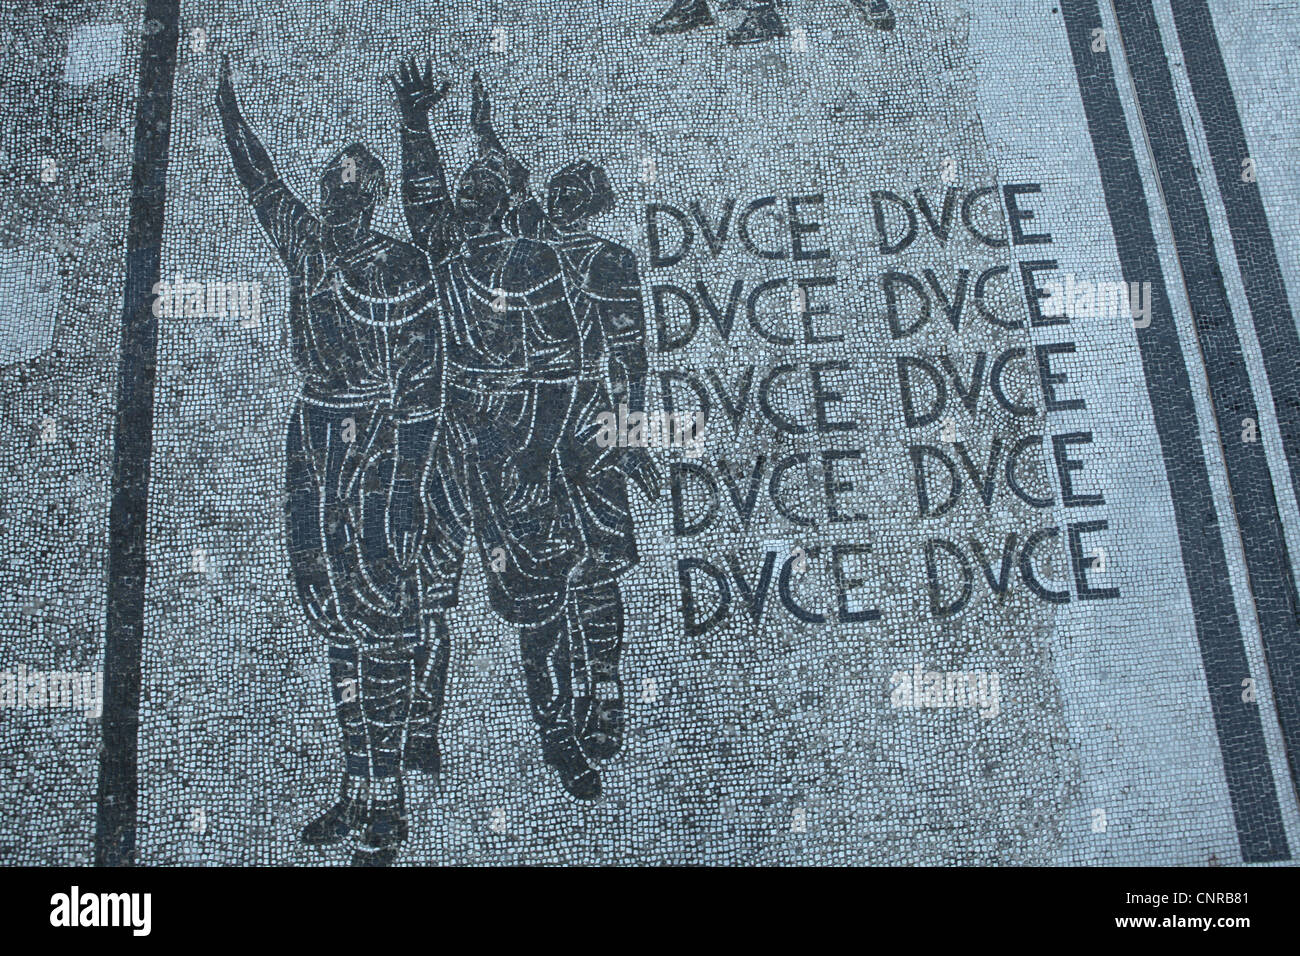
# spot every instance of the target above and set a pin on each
(640, 432)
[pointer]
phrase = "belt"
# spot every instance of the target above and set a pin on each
(479, 380)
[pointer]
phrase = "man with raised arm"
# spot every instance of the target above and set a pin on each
(604, 288)
(363, 322)
(513, 357)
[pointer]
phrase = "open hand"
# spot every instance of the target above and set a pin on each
(417, 90)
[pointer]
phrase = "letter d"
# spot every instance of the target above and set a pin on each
(690, 612)
(937, 604)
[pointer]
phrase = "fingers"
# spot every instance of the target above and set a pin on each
(481, 110)
(226, 88)
(420, 77)
(401, 77)
(412, 80)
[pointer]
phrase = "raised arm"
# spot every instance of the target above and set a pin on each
(287, 220)
(525, 217)
(480, 119)
(425, 198)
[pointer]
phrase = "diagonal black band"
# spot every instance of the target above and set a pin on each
(1240, 730)
(1255, 501)
(1266, 292)
(1251, 237)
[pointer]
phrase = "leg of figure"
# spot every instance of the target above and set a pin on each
(349, 813)
(598, 707)
(431, 660)
(386, 702)
(682, 16)
(447, 525)
(548, 674)
(309, 565)
(762, 22)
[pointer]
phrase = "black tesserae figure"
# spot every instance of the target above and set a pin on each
(363, 320)
(762, 20)
(516, 466)
(605, 289)
(452, 387)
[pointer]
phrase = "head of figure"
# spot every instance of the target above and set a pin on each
(487, 188)
(578, 192)
(351, 186)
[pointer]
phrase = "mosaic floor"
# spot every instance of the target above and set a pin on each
(649, 432)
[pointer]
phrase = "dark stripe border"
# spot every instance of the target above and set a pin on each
(1247, 221)
(116, 824)
(1254, 496)
(1240, 731)
(1266, 292)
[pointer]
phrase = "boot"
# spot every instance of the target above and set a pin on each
(683, 16)
(602, 730)
(760, 24)
(333, 826)
(597, 637)
(386, 679)
(546, 655)
(385, 832)
(561, 751)
(422, 753)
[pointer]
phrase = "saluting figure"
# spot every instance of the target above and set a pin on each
(364, 324)
(502, 468)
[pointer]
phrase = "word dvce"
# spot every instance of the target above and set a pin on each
(212, 299)
(652, 430)
(920, 688)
